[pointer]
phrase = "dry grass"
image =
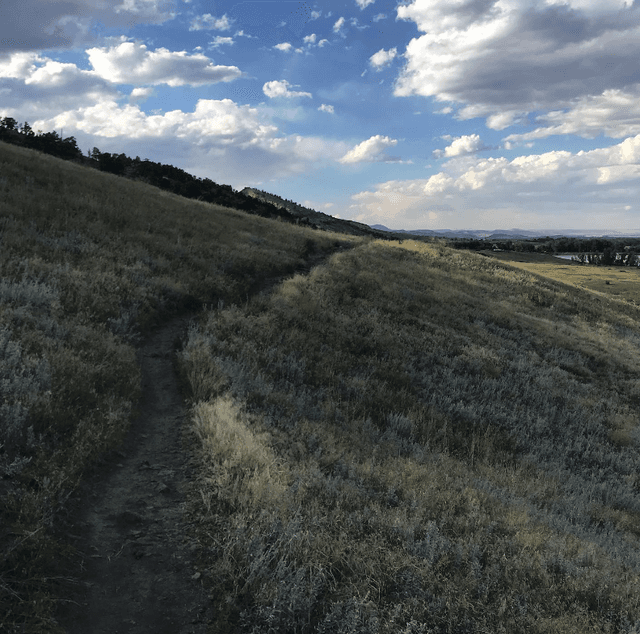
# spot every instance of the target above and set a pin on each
(618, 282)
(408, 439)
(88, 263)
(460, 447)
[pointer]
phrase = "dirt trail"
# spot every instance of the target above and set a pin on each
(137, 560)
(138, 574)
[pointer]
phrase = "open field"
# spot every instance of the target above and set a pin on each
(620, 282)
(387, 437)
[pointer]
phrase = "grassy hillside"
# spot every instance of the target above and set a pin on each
(407, 439)
(412, 439)
(88, 263)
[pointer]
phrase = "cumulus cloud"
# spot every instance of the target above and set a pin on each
(208, 21)
(326, 108)
(284, 46)
(363, 4)
(274, 89)
(33, 85)
(382, 58)
(220, 139)
(222, 121)
(614, 113)
(38, 24)
(219, 40)
(133, 63)
(574, 189)
(338, 25)
(496, 57)
(369, 151)
(139, 95)
(309, 39)
(467, 144)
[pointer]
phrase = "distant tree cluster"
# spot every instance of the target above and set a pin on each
(167, 177)
(597, 251)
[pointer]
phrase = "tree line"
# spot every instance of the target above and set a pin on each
(166, 177)
(597, 251)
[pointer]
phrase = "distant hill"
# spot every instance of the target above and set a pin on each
(511, 234)
(316, 219)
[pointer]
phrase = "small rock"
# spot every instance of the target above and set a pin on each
(196, 576)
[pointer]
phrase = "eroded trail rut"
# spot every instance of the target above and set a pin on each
(137, 559)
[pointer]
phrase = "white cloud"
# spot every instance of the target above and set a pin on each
(140, 94)
(38, 86)
(284, 46)
(379, 16)
(467, 144)
(321, 43)
(326, 108)
(208, 21)
(504, 58)
(614, 113)
(220, 139)
(361, 27)
(133, 63)
(316, 14)
(40, 24)
(338, 25)
(219, 40)
(557, 189)
(222, 119)
(309, 39)
(382, 58)
(274, 89)
(369, 151)
(363, 4)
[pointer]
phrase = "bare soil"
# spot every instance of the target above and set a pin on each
(137, 560)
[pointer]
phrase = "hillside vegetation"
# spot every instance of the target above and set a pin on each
(88, 263)
(406, 439)
(411, 439)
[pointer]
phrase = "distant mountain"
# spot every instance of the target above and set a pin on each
(512, 234)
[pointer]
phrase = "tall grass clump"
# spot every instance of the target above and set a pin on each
(448, 445)
(89, 264)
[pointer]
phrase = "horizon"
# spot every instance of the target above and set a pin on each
(595, 233)
(419, 115)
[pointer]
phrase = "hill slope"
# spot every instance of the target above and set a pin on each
(317, 220)
(404, 438)
(88, 263)
(412, 439)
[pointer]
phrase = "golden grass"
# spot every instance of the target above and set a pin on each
(407, 439)
(88, 263)
(445, 421)
(618, 282)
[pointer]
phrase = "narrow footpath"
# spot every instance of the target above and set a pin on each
(137, 559)
(138, 572)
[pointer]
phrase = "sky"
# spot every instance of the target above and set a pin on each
(427, 114)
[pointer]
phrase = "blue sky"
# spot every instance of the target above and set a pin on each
(428, 114)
